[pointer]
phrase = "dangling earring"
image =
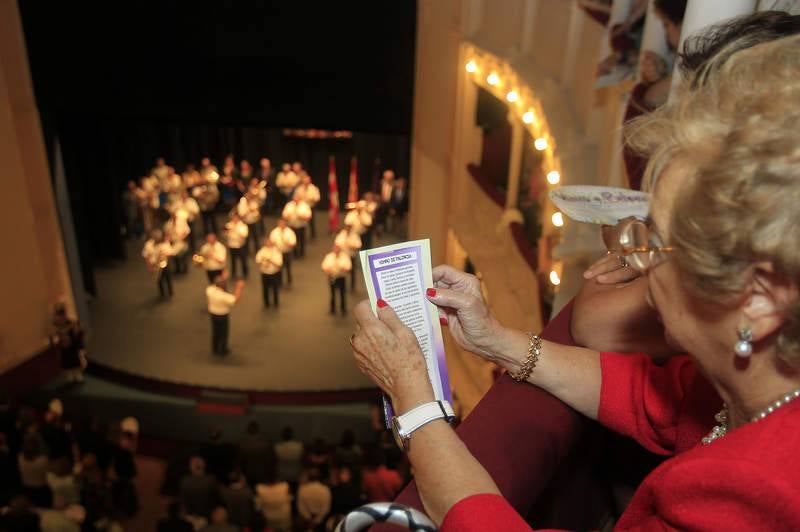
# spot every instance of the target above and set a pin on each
(744, 347)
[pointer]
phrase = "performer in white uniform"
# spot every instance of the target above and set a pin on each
(286, 180)
(156, 253)
(336, 265)
(214, 254)
(236, 235)
(191, 211)
(308, 192)
(270, 260)
(297, 213)
(285, 240)
(249, 210)
(220, 303)
(177, 232)
(360, 220)
(349, 240)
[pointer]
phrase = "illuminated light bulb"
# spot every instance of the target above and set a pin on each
(493, 79)
(528, 117)
(512, 96)
(555, 280)
(553, 177)
(472, 66)
(558, 219)
(540, 144)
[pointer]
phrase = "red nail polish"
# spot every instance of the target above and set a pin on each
(431, 292)
(382, 303)
(443, 320)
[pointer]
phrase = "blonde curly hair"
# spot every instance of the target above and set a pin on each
(740, 134)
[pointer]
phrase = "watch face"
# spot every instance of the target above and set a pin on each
(398, 439)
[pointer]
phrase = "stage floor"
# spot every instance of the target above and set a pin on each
(296, 348)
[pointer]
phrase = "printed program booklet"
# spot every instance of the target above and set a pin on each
(400, 274)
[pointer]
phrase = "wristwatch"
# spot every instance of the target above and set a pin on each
(403, 426)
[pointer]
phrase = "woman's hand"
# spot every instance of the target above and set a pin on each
(387, 352)
(611, 269)
(462, 308)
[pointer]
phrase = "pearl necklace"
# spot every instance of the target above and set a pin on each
(722, 416)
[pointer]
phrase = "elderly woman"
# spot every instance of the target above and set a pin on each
(722, 278)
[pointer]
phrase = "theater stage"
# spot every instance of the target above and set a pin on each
(288, 354)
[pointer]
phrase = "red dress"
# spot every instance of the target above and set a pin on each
(747, 480)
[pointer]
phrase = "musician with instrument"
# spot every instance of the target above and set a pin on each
(187, 207)
(285, 240)
(360, 220)
(266, 178)
(207, 196)
(212, 257)
(148, 201)
(349, 240)
(177, 232)
(208, 171)
(337, 265)
(270, 260)
(249, 210)
(307, 191)
(297, 214)
(236, 232)
(156, 253)
(286, 180)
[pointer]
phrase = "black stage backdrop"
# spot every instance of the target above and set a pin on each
(120, 83)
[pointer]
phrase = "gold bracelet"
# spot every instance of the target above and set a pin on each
(534, 350)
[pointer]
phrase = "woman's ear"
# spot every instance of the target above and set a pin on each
(771, 293)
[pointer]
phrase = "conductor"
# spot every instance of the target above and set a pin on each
(220, 303)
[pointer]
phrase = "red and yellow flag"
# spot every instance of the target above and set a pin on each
(333, 196)
(352, 190)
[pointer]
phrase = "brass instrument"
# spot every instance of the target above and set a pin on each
(162, 265)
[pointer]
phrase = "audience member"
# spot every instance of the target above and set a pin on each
(391, 452)
(123, 469)
(219, 522)
(62, 517)
(313, 500)
(274, 501)
(33, 467)
(198, 491)
(62, 482)
(380, 483)
(54, 432)
(319, 457)
(289, 453)
(93, 439)
(348, 451)
(95, 493)
(346, 493)
(219, 456)
(19, 516)
(9, 472)
(174, 522)
(256, 455)
(238, 499)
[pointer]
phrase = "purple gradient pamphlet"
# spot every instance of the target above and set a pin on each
(400, 274)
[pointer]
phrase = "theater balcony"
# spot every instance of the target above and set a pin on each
(507, 107)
